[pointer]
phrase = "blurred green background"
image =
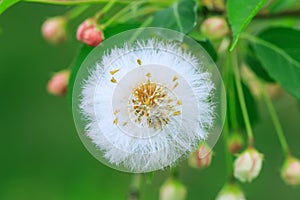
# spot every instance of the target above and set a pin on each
(41, 156)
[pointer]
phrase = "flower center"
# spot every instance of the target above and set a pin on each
(152, 105)
(146, 100)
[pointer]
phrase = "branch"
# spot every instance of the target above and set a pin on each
(262, 15)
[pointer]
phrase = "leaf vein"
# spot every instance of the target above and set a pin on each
(177, 17)
(272, 47)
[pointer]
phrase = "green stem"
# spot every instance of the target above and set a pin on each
(228, 80)
(242, 99)
(77, 2)
(231, 95)
(75, 12)
(146, 23)
(105, 9)
(140, 12)
(119, 14)
(275, 121)
(175, 172)
(149, 177)
(228, 156)
(135, 187)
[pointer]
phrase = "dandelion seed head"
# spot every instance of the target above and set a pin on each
(144, 104)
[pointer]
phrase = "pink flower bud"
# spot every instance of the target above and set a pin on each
(214, 27)
(201, 158)
(290, 171)
(172, 190)
(87, 24)
(89, 34)
(235, 143)
(231, 192)
(58, 84)
(54, 30)
(248, 165)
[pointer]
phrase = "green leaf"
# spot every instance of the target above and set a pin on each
(280, 5)
(240, 13)
(5, 4)
(181, 16)
(256, 66)
(251, 106)
(278, 50)
(207, 45)
(118, 28)
(84, 51)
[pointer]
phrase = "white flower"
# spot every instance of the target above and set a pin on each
(231, 192)
(172, 189)
(248, 165)
(146, 104)
(290, 171)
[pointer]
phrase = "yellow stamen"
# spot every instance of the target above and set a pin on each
(175, 78)
(139, 62)
(115, 122)
(176, 113)
(112, 72)
(176, 84)
(113, 80)
(116, 112)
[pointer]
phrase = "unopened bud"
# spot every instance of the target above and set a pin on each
(248, 165)
(214, 28)
(172, 190)
(231, 192)
(54, 30)
(290, 171)
(213, 4)
(58, 84)
(202, 157)
(235, 143)
(89, 34)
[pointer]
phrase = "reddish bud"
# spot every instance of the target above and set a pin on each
(201, 158)
(214, 27)
(89, 34)
(58, 84)
(54, 30)
(235, 143)
(290, 171)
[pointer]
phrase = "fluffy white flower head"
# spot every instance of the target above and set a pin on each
(146, 103)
